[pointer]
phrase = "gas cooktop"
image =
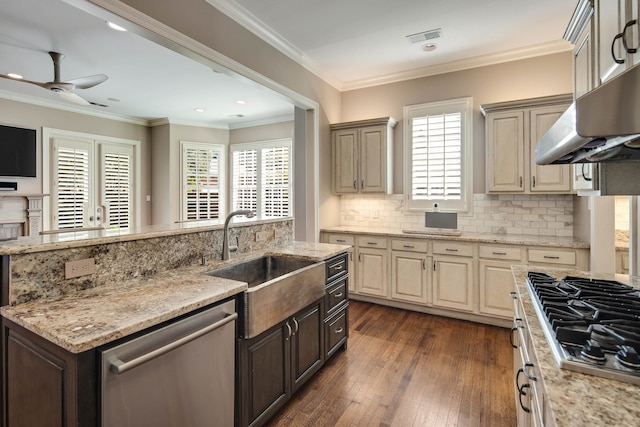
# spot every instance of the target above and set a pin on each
(592, 326)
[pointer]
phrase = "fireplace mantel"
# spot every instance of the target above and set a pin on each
(21, 212)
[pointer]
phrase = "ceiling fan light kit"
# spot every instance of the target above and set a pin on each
(65, 89)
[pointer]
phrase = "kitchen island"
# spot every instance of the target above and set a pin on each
(570, 398)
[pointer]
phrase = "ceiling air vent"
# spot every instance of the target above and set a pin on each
(424, 36)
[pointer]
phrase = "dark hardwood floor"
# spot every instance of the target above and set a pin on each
(404, 368)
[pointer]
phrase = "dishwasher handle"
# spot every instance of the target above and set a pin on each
(119, 367)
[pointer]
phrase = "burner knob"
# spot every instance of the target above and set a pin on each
(593, 351)
(628, 357)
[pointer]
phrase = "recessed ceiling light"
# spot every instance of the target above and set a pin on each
(15, 76)
(199, 110)
(113, 99)
(241, 102)
(429, 47)
(237, 115)
(115, 26)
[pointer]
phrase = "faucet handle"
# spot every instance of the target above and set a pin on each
(234, 248)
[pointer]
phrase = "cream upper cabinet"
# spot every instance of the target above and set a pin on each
(512, 131)
(610, 20)
(362, 156)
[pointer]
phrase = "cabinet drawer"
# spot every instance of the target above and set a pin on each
(552, 257)
(336, 330)
(452, 248)
(342, 239)
(500, 252)
(409, 245)
(372, 242)
(336, 266)
(336, 294)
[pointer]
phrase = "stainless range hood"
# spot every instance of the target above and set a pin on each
(601, 126)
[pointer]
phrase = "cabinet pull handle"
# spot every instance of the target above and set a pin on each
(290, 332)
(360, 257)
(372, 243)
(584, 176)
(295, 322)
(613, 52)
(527, 374)
(451, 250)
(339, 295)
(434, 265)
(624, 37)
(339, 330)
(514, 329)
(499, 253)
(363, 186)
(520, 182)
(551, 257)
(408, 246)
(513, 294)
(341, 240)
(523, 393)
(120, 367)
(424, 264)
(336, 266)
(355, 184)
(534, 181)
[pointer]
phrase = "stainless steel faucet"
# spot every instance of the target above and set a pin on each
(226, 248)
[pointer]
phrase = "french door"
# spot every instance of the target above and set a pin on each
(91, 184)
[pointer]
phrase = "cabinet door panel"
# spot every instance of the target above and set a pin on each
(496, 283)
(610, 20)
(268, 370)
(505, 155)
(373, 160)
(409, 277)
(345, 167)
(452, 282)
(306, 344)
(549, 177)
(372, 272)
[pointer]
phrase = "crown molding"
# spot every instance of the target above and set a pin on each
(269, 121)
(464, 64)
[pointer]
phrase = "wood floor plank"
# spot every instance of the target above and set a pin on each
(405, 368)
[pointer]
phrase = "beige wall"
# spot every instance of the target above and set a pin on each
(36, 117)
(548, 75)
(262, 133)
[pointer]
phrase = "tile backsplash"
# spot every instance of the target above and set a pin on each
(539, 215)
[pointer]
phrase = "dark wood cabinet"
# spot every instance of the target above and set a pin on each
(45, 385)
(336, 316)
(278, 362)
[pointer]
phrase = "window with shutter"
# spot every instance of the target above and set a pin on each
(72, 182)
(117, 186)
(203, 180)
(261, 178)
(438, 150)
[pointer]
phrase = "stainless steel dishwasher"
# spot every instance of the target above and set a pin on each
(179, 375)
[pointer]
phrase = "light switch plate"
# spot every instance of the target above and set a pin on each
(261, 236)
(81, 267)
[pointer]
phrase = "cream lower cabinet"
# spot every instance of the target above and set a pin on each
(372, 266)
(496, 279)
(410, 271)
(453, 275)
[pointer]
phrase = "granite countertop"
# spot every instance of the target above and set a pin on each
(577, 399)
(90, 318)
(510, 239)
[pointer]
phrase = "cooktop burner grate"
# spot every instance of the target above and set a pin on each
(592, 325)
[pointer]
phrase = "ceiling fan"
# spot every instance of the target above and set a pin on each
(64, 89)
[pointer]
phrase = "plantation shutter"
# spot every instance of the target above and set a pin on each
(203, 178)
(275, 182)
(437, 157)
(245, 180)
(261, 178)
(72, 186)
(117, 184)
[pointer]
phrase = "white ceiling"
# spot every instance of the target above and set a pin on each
(351, 44)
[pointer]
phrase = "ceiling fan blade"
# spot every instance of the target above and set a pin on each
(44, 85)
(88, 81)
(72, 97)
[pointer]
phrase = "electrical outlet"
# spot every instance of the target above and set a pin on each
(81, 267)
(280, 233)
(261, 236)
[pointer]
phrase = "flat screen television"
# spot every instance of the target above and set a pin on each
(17, 152)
